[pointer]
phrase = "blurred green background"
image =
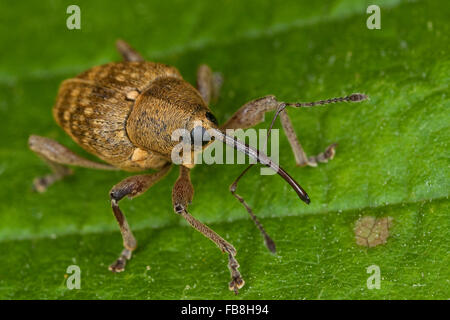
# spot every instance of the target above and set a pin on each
(392, 158)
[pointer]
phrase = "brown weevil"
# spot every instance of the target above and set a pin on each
(125, 112)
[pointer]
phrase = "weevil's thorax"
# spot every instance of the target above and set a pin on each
(166, 108)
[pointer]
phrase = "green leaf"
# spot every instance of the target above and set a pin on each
(392, 158)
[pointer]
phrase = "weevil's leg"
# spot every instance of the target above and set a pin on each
(270, 244)
(208, 83)
(131, 187)
(253, 112)
(182, 195)
(58, 157)
(127, 52)
(300, 156)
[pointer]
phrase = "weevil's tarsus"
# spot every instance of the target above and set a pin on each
(120, 263)
(131, 187)
(236, 282)
(322, 157)
(182, 194)
(58, 158)
(127, 52)
(40, 184)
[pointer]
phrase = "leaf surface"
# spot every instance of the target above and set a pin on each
(392, 159)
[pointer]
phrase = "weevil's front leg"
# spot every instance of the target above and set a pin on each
(301, 158)
(58, 157)
(131, 187)
(127, 52)
(208, 83)
(253, 112)
(182, 195)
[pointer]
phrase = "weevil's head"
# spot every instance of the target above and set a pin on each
(194, 136)
(197, 132)
(200, 126)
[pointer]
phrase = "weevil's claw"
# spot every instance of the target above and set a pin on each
(323, 157)
(236, 284)
(40, 184)
(236, 280)
(330, 151)
(270, 244)
(119, 264)
(356, 97)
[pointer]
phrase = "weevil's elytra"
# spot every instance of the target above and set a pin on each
(125, 113)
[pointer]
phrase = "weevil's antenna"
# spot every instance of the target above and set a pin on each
(354, 97)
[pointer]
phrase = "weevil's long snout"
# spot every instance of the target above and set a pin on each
(263, 159)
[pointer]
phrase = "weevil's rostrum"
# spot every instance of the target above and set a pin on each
(125, 114)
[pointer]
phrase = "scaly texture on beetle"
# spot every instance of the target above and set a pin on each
(93, 109)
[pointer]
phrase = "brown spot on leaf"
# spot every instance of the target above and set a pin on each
(371, 232)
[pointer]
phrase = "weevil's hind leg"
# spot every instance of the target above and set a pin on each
(208, 83)
(127, 52)
(131, 187)
(182, 195)
(58, 157)
(253, 112)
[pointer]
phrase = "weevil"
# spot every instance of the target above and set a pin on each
(124, 113)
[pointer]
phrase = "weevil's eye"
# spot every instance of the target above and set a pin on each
(211, 117)
(199, 136)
